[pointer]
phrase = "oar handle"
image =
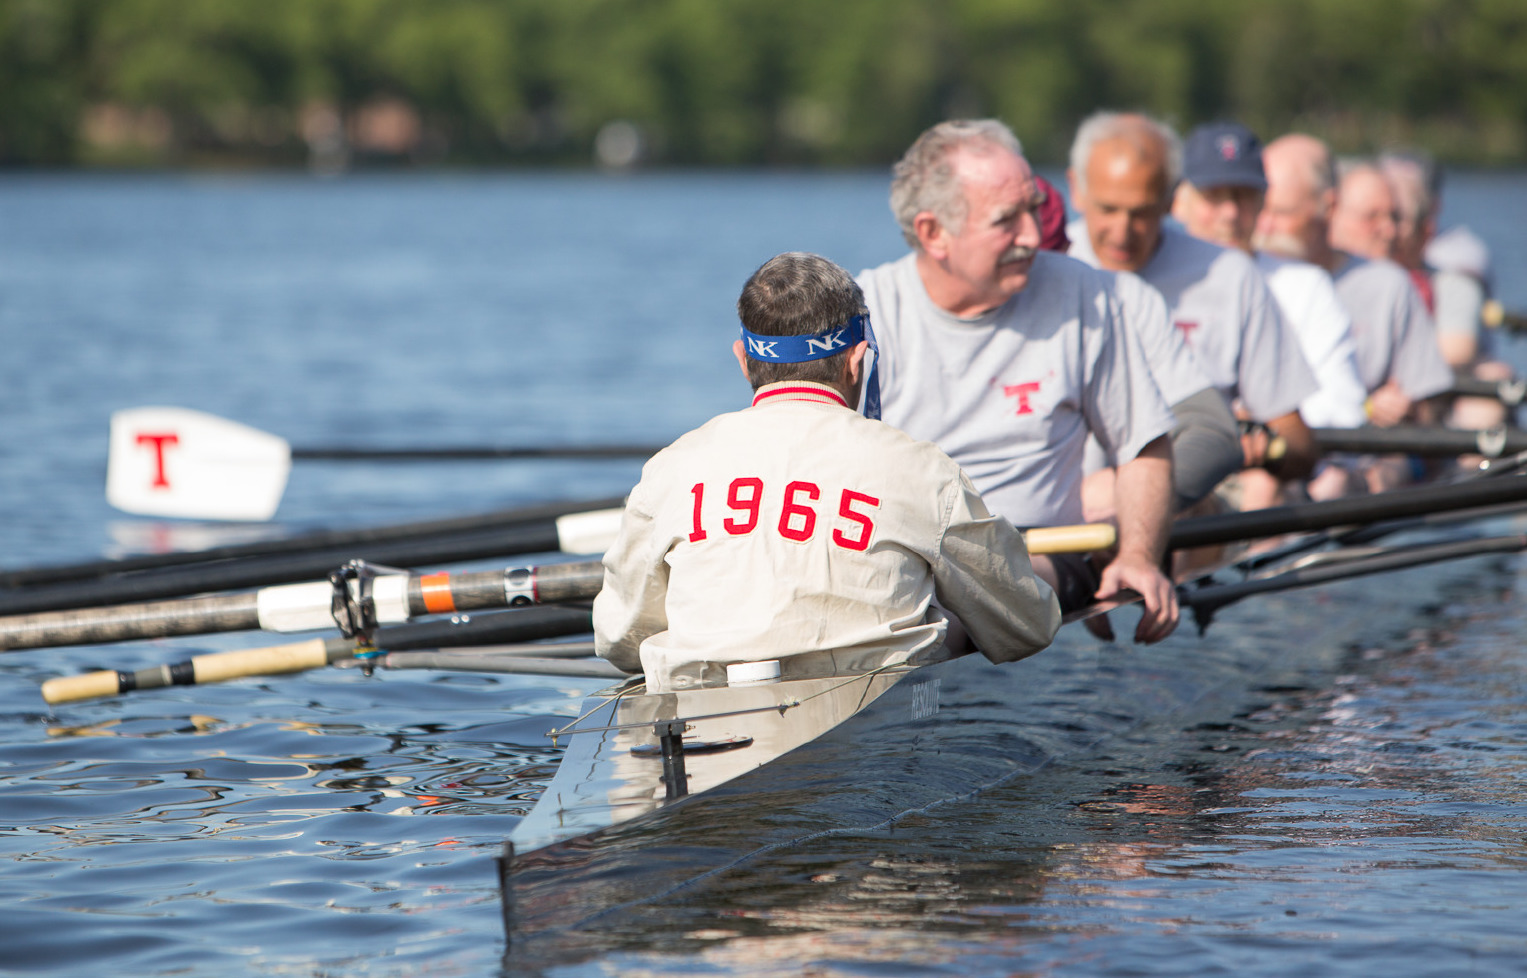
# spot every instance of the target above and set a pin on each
(1079, 539)
(1496, 316)
(214, 667)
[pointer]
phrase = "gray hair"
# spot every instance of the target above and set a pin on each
(1101, 127)
(1322, 172)
(1416, 178)
(798, 294)
(924, 178)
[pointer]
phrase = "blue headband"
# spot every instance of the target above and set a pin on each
(799, 349)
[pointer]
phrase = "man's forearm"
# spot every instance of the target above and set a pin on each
(1206, 446)
(1144, 502)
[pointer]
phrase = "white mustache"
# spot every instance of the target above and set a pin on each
(1015, 254)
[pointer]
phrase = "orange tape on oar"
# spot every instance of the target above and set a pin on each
(435, 589)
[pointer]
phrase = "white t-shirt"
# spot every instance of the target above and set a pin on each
(801, 531)
(1220, 301)
(1312, 309)
(1391, 328)
(1012, 394)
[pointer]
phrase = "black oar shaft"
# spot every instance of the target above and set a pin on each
(96, 626)
(1508, 392)
(228, 575)
(328, 540)
(1418, 440)
(1204, 531)
(1205, 601)
(300, 607)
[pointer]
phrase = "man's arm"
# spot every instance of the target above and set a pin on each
(1300, 453)
(1144, 505)
(983, 575)
(1206, 446)
(631, 606)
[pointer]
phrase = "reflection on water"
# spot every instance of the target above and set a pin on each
(1365, 822)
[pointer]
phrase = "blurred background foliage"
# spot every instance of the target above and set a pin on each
(336, 83)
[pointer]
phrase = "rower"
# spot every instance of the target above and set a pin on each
(1007, 357)
(1398, 359)
(1124, 168)
(1206, 446)
(798, 530)
(1452, 273)
(1219, 200)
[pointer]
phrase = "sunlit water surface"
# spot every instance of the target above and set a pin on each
(1355, 809)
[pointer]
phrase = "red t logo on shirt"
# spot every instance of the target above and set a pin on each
(1022, 392)
(1186, 328)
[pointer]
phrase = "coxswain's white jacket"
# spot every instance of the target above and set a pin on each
(801, 531)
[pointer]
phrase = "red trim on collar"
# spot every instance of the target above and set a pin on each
(815, 392)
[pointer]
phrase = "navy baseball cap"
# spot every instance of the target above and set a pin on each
(1223, 154)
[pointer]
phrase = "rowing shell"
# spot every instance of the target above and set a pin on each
(777, 765)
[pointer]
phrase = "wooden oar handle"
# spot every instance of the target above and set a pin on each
(215, 667)
(1079, 539)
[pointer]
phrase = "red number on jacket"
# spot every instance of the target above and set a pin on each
(749, 505)
(788, 528)
(698, 533)
(867, 528)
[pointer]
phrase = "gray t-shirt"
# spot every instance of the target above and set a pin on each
(1143, 315)
(1394, 333)
(1222, 305)
(1012, 394)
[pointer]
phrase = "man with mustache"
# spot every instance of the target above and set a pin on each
(1007, 357)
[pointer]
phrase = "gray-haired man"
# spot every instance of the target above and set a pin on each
(1007, 357)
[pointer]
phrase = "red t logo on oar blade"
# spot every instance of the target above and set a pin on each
(159, 442)
(1022, 392)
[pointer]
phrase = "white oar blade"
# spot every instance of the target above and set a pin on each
(167, 461)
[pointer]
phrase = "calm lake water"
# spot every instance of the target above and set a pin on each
(1357, 809)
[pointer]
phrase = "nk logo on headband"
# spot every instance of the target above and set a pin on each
(799, 349)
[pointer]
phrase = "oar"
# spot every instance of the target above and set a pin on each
(305, 607)
(1422, 440)
(1205, 601)
(508, 626)
(1497, 316)
(166, 461)
(396, 597)
(1202, 531)
(569, 531)
(1508, 392)
(576, 532)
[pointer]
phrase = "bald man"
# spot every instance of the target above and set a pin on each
(1398, 359)
(1123, 171)
(1366, 219)
(1220, 199)
(1453, 280)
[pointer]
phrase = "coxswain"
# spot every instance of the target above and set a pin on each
(1124, 170)
(1219, 200)
(1398, 359)
(1007, 357)
(800, 531)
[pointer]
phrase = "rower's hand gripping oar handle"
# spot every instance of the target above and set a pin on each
(212, 668)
